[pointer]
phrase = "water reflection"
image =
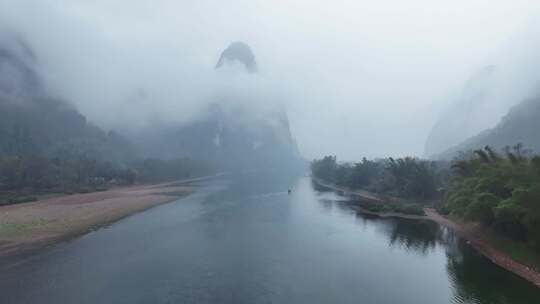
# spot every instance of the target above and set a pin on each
(421, 236)
(321, 189)
(476, 280)
(246, 240)
(473, 278)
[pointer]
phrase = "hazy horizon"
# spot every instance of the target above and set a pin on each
(375, 89)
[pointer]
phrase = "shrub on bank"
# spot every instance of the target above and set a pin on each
(19, 200)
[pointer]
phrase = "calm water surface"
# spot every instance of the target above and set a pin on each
(245, 240)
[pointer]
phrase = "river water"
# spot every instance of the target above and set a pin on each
(245, 240)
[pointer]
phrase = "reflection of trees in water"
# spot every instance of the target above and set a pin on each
(420, 236)
(473, 278)
(317, 187)
(327, 204)
(414, 235)
(476, 280)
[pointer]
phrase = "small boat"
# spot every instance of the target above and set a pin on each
(289, 191)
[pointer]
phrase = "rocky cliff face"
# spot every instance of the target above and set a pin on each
(236, 134)
(252, 134)
(238, 52)
(230, 136)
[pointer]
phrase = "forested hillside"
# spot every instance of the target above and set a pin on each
(47, 145)
(520, 125)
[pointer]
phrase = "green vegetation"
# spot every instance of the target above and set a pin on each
(519, 251)
(19, 200)
(47, 146)
(499, 190)
(408, 178)
(22, 177)
(404, 208)
(157, 170)
(502, 191)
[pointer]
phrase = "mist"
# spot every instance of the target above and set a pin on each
(357, 78)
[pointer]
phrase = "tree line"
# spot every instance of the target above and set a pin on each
(501, 190)
(406, 177)
(21, 177)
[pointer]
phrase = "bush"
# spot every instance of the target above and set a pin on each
(83, 190)
(508, 220)
(500, 191)
(443, 209)
(20, 200)
(412, 209)
(481, 209)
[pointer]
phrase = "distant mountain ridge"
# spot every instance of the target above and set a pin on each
(520, 125)
(229, 133)
(465, 116)
(34, 123)
(17, 77)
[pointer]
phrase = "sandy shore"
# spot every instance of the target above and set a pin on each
(471, 233)
(29, 226)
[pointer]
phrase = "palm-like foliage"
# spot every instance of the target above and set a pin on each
(406, 177)
(501, 191)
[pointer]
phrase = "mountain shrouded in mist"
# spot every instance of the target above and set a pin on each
(519, 126)
(17, 78)
(234, 131)
(489, 113)
(466, 124)
(238, 52)
(499, 105)
(257, 136)
(32, 122)
(464, 117)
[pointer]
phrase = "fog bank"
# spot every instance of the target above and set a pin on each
(358, 78)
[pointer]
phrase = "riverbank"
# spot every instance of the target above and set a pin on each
(359, 193)
(472, 233)
(30, 226)
(479, 240)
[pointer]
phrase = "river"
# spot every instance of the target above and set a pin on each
(246, 240)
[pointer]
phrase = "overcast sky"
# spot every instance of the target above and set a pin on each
(358, 78)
